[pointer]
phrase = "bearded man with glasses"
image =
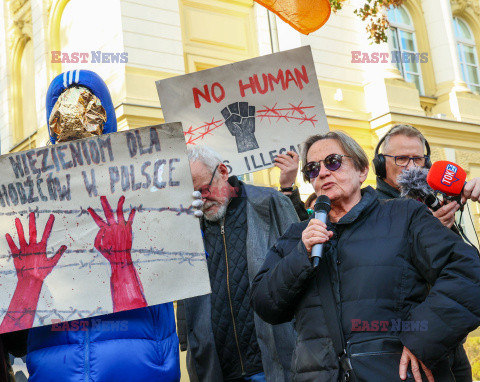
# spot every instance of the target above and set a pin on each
(225, 340)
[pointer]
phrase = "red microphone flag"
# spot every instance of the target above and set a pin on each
(447, 177)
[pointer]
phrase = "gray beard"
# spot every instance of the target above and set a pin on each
(220, 214)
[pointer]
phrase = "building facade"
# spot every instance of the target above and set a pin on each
(430, 78)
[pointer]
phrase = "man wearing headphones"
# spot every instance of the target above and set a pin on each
(404, 147)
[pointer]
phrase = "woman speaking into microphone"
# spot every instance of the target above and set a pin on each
(394, 293)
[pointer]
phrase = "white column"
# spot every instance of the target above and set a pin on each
(443, 46)
(264, 30)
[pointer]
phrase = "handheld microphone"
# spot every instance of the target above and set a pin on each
(322, 208)
(413, 184)
(432, 202)
(447, 178)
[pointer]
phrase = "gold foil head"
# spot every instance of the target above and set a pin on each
(77, 114)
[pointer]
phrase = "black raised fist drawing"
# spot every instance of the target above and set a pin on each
(240, 121)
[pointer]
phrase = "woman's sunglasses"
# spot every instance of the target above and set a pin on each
(332, 163)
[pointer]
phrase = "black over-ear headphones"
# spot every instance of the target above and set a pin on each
(379, 159)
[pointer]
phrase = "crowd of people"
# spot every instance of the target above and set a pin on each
(393, 297)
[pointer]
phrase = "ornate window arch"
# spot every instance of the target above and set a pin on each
(467, 54)
(55, 11)
(402, 39)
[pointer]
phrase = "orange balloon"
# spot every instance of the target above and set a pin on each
(306, 16)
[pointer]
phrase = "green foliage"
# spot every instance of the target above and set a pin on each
(370, 12)
(472, 347)
(336, 4)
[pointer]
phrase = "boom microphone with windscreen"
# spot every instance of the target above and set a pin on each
(447, 178)
(413, 184)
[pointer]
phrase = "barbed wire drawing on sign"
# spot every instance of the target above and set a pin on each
(84, 211)
(291, 113)
(207, 128)
(240, 119)
(33, 261)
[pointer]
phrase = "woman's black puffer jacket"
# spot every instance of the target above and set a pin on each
(392, 265)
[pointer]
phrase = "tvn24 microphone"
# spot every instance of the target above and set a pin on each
(413, 184)
(447, 178)
(322, 208)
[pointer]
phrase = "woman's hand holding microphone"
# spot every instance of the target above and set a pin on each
(315, 233)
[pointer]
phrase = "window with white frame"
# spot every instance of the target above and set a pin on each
(467, 54)
(404, 46)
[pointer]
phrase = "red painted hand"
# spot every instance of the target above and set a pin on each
(114, 242)
(31, 259)
(32, 266)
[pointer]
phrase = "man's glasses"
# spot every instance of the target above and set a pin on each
(205, 190)
(404, 160)
(332, 163)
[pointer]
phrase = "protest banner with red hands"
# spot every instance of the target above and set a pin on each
(32, 266)
(145, 175)
(114, 242)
